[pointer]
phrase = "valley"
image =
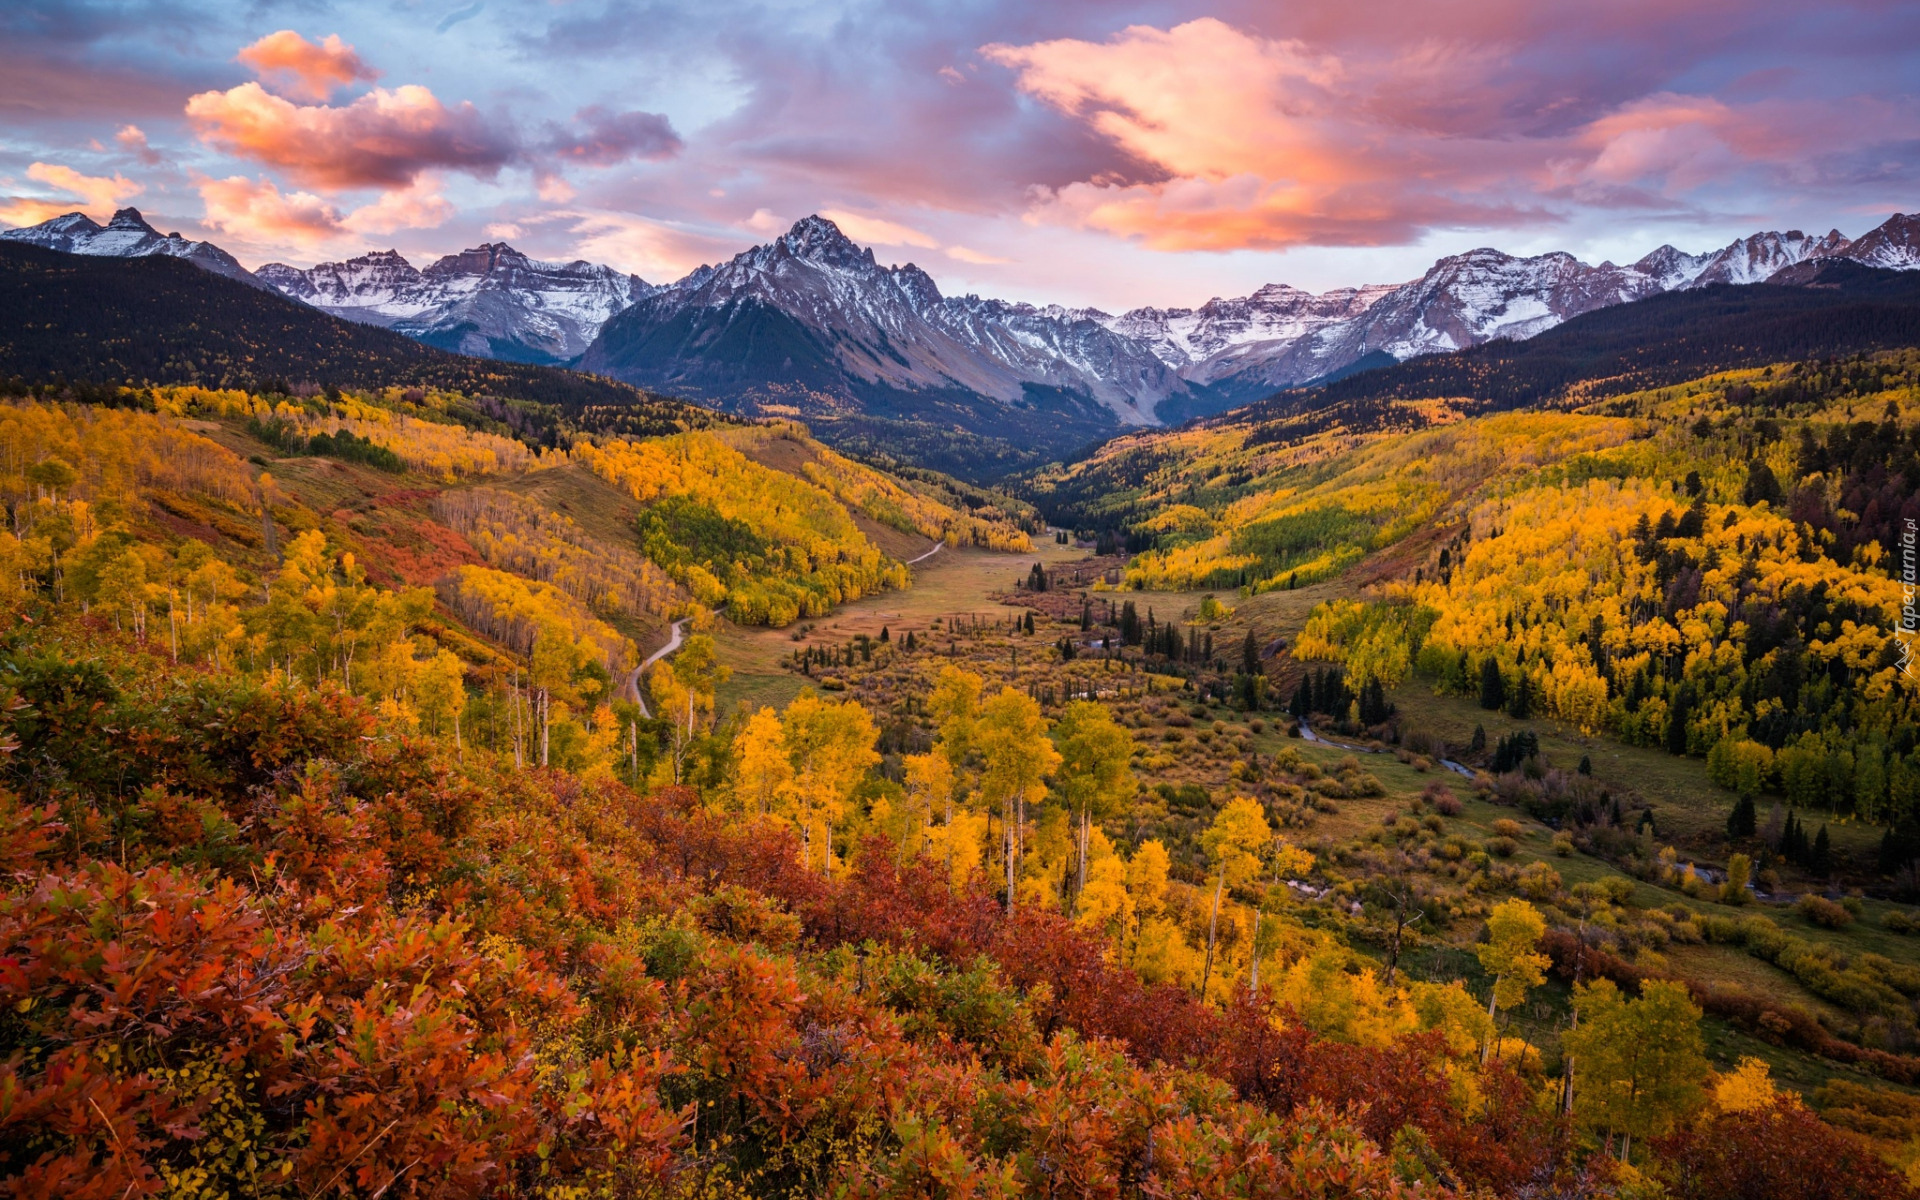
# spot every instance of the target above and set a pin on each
(1429, 742)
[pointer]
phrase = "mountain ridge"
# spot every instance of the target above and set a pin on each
(812, 324)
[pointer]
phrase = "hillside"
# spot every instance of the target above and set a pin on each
(1014, 840)
(1820, 308)
(160, 320)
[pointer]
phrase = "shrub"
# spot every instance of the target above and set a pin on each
(1507, 827)
(1899, 922)
(1824, 912)
(1563, 843)
(1502, 847)
(1540, 882)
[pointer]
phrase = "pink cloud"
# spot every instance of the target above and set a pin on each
(95, 195)
(383, 139)
(307, 70)
(134, 140)
(1247, 141)
(878, 231)
(420, 206)
(257, 212)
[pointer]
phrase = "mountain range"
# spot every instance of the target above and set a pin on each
(491, 301)
(813, 324)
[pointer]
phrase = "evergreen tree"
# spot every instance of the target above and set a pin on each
(1520, 703)
(1586, 764)
(884, 635)
(1820, 858)
(1743, 821)
(1493, 689)
(1250, 655)
(1677, 722)
(1479, 742)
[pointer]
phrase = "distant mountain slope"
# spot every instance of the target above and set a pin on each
(491, 301)
(127, 235)
(1817, 308)
(157, 320)
(810, 324)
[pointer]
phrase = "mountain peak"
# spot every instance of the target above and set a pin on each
(130, 218)
(817, 239)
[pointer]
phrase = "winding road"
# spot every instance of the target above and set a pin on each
(630, 686)
(677, 633)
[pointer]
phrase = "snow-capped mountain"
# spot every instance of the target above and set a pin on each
(813, 311)
(491, 301)
(811, 321)
(127, 235)
(1894, 246)
(815, 315)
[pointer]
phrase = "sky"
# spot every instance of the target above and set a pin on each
(1112, 154)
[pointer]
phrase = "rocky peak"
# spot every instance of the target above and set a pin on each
(817, 239)
(480, 260)
(130, 219)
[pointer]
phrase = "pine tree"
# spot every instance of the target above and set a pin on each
(1520, 703)
(1820, 858)
(1743, 821)
(1493, 689)
(1479, 742)
(884, 636)
(1677, 722)
(1250, 655)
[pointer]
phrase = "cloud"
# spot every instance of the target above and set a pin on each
(304, 69)
(134, 141)
(92, 194)
(1255, 142)
(609, 137)
(875, 231)
(458, 15)
(1269, 143)
(649, 248)
(256, 211)
(96, 193)
(962, 254)
(420, 206)
(383, 139)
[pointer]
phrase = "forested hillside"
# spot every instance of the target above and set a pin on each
(349, 850)
(158, 320)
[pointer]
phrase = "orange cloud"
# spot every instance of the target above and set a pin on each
(305, 69)
(96, 196)
(418, 207)
(134, 140)
(383, 139)
(875, 231)
(256, 211)
(1247, 141)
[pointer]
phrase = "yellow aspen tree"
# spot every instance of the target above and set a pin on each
(1639, 1065)
(1012, 737)
(929, 786)
(1510, 954)
(1095, 775)
(1234, 843)
(831, 748)
(761, 770)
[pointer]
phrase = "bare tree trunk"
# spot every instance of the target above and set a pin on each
(546, 724)
(1253, 981)
(1213, 928)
